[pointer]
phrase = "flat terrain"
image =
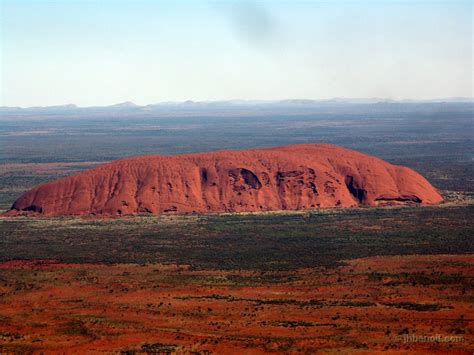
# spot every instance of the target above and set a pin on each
(371, 304)
(262, 241)
(354, 280)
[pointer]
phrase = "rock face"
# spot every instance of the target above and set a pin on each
(281, 178)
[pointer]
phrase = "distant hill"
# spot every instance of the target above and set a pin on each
(236, 108)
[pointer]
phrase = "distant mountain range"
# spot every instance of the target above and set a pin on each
(234, 103)
(237, 108)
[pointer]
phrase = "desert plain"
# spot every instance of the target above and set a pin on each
(366, 279)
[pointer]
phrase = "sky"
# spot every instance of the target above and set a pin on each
(101, 52)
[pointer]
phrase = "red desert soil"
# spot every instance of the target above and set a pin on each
(369, 305)
(281, 178)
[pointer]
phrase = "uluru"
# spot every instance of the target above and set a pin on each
(293, 177)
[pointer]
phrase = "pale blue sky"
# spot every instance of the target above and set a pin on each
(103, 52)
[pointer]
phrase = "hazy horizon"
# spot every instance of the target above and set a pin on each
(346, 100)
(92, 53)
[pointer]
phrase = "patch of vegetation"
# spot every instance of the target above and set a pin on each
(153, 348)
(295, 324)
(286, 302)
(24, 349)
(437, 278)
(9, 336)
(269, 241)
(419, 307)
(74, 327)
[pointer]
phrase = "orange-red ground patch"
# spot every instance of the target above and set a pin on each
(372, 304)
